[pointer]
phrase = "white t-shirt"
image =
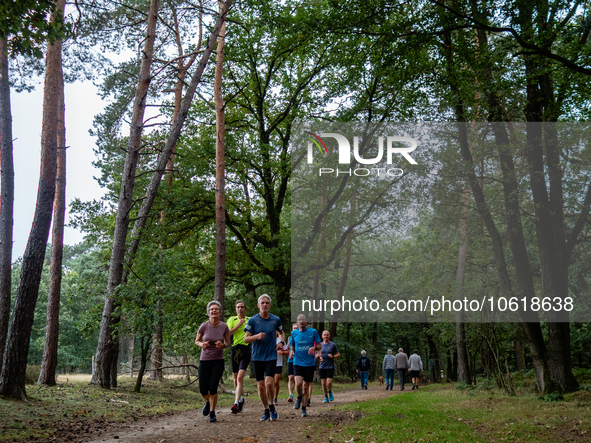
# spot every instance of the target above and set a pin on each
(280, 357)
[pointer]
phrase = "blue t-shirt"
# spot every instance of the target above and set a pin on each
(329, 348)
(302, 341)
(265, 349)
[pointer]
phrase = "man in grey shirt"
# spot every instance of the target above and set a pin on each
(388, 366)
(401, 365)
(415, 368)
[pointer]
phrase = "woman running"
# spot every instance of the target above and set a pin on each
(213, 336)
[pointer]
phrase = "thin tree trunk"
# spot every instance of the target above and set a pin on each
(49, 363)
(463, 372)
(220, 171)
(14, 365)
(105, 343)
(6, 197)
(157, 337)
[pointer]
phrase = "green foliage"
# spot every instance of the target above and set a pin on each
(554, 396)
(32, 374)
(26, 27)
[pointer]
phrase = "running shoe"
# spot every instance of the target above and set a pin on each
(297, 403)
(235, 408)
(304, 413)
(266, 415)
(366, 387)
(241, 405)
(275, 402)
(325, 400)
(308, 404)
(290, 398)
(330, 396)
(274, 414)
(212, 417)
(205, 410)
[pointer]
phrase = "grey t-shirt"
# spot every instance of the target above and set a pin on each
(327, 362)
(212, 334)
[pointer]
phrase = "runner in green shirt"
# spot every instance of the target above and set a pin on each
(240, 353)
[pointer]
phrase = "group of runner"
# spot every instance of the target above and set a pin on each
(261, 340)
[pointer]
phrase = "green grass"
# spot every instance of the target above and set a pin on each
(445, 414)
(74, 399)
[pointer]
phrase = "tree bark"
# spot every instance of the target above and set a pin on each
(104, 347)
(49, 363)
(463, 372)
(6, 197)
(220, 170)
(14, 365)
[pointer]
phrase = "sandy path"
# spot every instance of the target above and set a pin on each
(191, 426)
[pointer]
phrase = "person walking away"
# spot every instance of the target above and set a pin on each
(213, 337)
(260, 331)
(279, 367)
(401, 366)
(328, 352)
(240, 354)
(305, 342)
(290, 373)
(363, 368)
(415, 368)
(388, 366)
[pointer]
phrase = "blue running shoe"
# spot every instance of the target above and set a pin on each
(212, 417)
(266, 415)
(330, 396)
(274, 414)
(325, 400)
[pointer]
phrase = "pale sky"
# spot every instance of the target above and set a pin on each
(82, 104)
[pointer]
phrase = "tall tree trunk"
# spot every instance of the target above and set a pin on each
(6, 197)
(49, 363)
(104, 353)
(157, 339)
(220, 170)
(14, 366)
(346, 260)
(463, 372)
(173, 137)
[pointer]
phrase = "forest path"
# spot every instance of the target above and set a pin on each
(191, 426)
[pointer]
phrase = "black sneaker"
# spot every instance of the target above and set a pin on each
(235, 408)
(308, 404)
(366, 387)
(212, 417)
(304, 413)
(205, 410)
(298, 402)
(241, 405)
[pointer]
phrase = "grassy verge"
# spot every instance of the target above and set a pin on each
(445, 414)
(73, 399)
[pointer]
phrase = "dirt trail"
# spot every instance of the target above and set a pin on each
(191, 426)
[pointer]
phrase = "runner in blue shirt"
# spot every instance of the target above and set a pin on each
(304, 344)
(260, 331)
(328, 353)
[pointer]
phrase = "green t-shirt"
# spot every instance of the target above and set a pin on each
(238, 336)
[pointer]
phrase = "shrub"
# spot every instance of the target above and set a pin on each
(32, 374)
